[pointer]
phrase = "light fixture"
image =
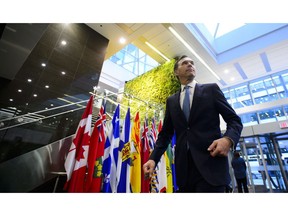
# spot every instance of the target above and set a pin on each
(193, 52)
(19, 90)
(63, 72)
(43, 65)
(156, 50)
(63, 42)
(122, 40)
(29, 80)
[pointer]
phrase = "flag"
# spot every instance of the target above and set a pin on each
(96, 153)
(135, 177)
(76, 161)
(145, 152)
(158, 180)
(168, 159)
(161, 168)
(159, 126)
(123, 166)
(161, 174)
(152, 135)
(154, 183)
(173, 145)
(111, 154)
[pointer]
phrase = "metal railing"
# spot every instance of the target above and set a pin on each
(36, 117)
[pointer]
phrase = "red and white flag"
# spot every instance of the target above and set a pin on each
(145, 152)
(76, 161)
(96, 153)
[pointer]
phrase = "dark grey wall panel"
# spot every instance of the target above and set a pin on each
(28, 171)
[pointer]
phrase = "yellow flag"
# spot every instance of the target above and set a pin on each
(135, 178)
(169, 175)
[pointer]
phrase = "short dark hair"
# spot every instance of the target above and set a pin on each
(177, 61)
(236, 154)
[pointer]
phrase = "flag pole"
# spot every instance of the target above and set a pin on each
(95, 90)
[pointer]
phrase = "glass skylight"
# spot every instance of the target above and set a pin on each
(134, 60)
(219, 29)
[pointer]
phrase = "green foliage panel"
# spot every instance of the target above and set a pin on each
(148, 93)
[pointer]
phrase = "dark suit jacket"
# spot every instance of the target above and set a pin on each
(202, 128)
(239, 167)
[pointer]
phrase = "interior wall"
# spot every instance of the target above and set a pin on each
(81, 59)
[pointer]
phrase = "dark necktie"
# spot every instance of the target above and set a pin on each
(186, 102)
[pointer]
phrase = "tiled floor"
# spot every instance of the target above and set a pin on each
(259, 189)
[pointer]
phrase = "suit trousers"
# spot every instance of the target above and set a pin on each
(195, 182)
(242, 183)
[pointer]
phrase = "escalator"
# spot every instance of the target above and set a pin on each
(265, 159)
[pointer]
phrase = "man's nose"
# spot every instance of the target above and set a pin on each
(190, 63)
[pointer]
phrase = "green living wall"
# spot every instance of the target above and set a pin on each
(148, 93)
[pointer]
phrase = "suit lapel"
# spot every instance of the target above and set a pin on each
(177, 107)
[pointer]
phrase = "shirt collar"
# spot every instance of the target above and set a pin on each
(191, 84)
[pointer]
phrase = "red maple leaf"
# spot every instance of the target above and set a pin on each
(80, 140)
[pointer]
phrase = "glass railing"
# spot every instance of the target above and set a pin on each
(20, 134)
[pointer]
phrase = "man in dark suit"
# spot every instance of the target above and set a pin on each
(239, 167)
(201, 161)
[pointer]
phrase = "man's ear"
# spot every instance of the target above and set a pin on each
(175, 73)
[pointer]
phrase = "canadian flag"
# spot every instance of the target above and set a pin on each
(76, 161)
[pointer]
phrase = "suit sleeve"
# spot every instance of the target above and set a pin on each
(234, 125)
(164, 136)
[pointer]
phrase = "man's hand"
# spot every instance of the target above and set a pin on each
(220, 147)
(148, 168)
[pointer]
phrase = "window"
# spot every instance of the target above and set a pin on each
(134, 60)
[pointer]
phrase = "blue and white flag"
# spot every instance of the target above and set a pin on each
(123, 168)
(111, 154)
(173, 145)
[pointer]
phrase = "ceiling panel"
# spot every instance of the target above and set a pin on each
(157, 30)
(253, 67)
(82, 59)
(135, 26)
(278, 56)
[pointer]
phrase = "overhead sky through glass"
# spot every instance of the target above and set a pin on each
(134, 60)
(225, 41)
(219, 29)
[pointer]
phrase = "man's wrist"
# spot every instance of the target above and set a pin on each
(230, 141)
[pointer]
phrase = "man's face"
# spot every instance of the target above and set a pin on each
(186, 69)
